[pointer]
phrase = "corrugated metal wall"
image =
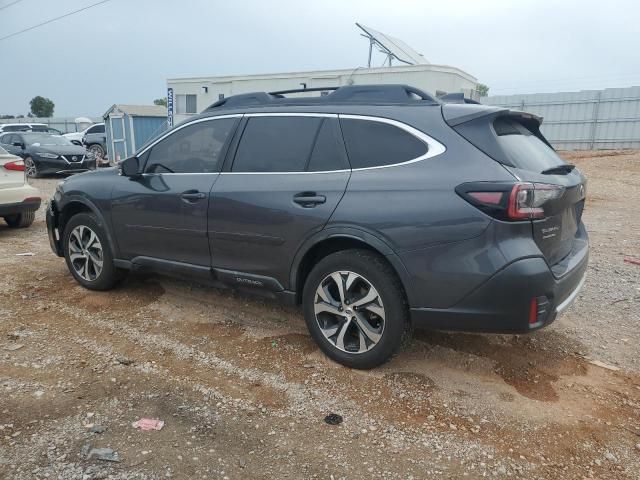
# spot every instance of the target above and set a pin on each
(586, 120)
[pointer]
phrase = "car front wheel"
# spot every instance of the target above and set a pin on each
(355, 308)
(88, 253)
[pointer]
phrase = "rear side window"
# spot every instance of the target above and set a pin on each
(522, 148)
(96, 129)
(375, 144)
(276, 144)
(15, 128)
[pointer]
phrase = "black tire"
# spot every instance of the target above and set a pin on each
(31, 168)
(109, 275)
(380, 275)
(21, 220)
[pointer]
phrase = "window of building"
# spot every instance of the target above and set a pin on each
(186, 104)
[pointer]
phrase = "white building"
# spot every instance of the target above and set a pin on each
(193, 95)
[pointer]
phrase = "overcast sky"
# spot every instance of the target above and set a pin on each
(124, 50)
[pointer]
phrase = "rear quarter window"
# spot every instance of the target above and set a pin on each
(375, 144)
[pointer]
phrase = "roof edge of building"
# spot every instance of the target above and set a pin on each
(326, 73)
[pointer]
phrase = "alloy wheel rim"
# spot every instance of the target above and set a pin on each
(97, 152)
(30, 167)
(85, 253)
(349, 312)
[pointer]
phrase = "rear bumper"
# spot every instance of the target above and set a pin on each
(20, 207)
(502, 304)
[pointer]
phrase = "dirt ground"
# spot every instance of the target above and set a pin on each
(244, 391)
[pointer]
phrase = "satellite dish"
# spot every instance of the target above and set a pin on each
(392, 47)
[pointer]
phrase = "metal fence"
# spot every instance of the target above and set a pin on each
(64, 124)
(585, 120)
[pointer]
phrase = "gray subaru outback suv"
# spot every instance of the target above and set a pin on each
(375, 207)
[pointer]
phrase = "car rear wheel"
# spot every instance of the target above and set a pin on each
(30, 168)
(355, 308)
(88, 253)
(21, 220)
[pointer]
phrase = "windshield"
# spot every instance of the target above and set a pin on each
(3, 151)
(45, 139)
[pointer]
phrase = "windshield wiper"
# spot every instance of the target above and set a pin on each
(559, 169)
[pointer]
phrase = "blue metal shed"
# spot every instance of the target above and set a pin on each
(128, 127)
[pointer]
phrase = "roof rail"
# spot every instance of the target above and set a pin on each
(350, 94)
(281, 93)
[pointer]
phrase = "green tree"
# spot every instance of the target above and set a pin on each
(160, 101)
(41, 107)
(482, 89)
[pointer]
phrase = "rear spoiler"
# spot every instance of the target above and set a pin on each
(456, 114)
(456, 98)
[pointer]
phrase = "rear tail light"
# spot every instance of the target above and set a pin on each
(538, 311)
(17, 166)
(510, 201)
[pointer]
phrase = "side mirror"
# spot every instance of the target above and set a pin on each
(77, 142)
(130, 167)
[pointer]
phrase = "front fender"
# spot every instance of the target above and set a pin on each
(66, 202)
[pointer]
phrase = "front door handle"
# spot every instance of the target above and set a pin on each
(309, 199)
(192, 196)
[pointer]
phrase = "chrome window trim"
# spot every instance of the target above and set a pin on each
(434, 147)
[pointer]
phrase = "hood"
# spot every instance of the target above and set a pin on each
(60, 149)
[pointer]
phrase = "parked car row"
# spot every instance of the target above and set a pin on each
(93, 137)
(28, 127)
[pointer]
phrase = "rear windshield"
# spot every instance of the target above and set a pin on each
(522, 148)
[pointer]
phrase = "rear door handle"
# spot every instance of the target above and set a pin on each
(309, 199)
(192, 196)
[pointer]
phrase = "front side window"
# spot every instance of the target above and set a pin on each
(186, 104)
(276, 144)
(375, 144)
(196, 148)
